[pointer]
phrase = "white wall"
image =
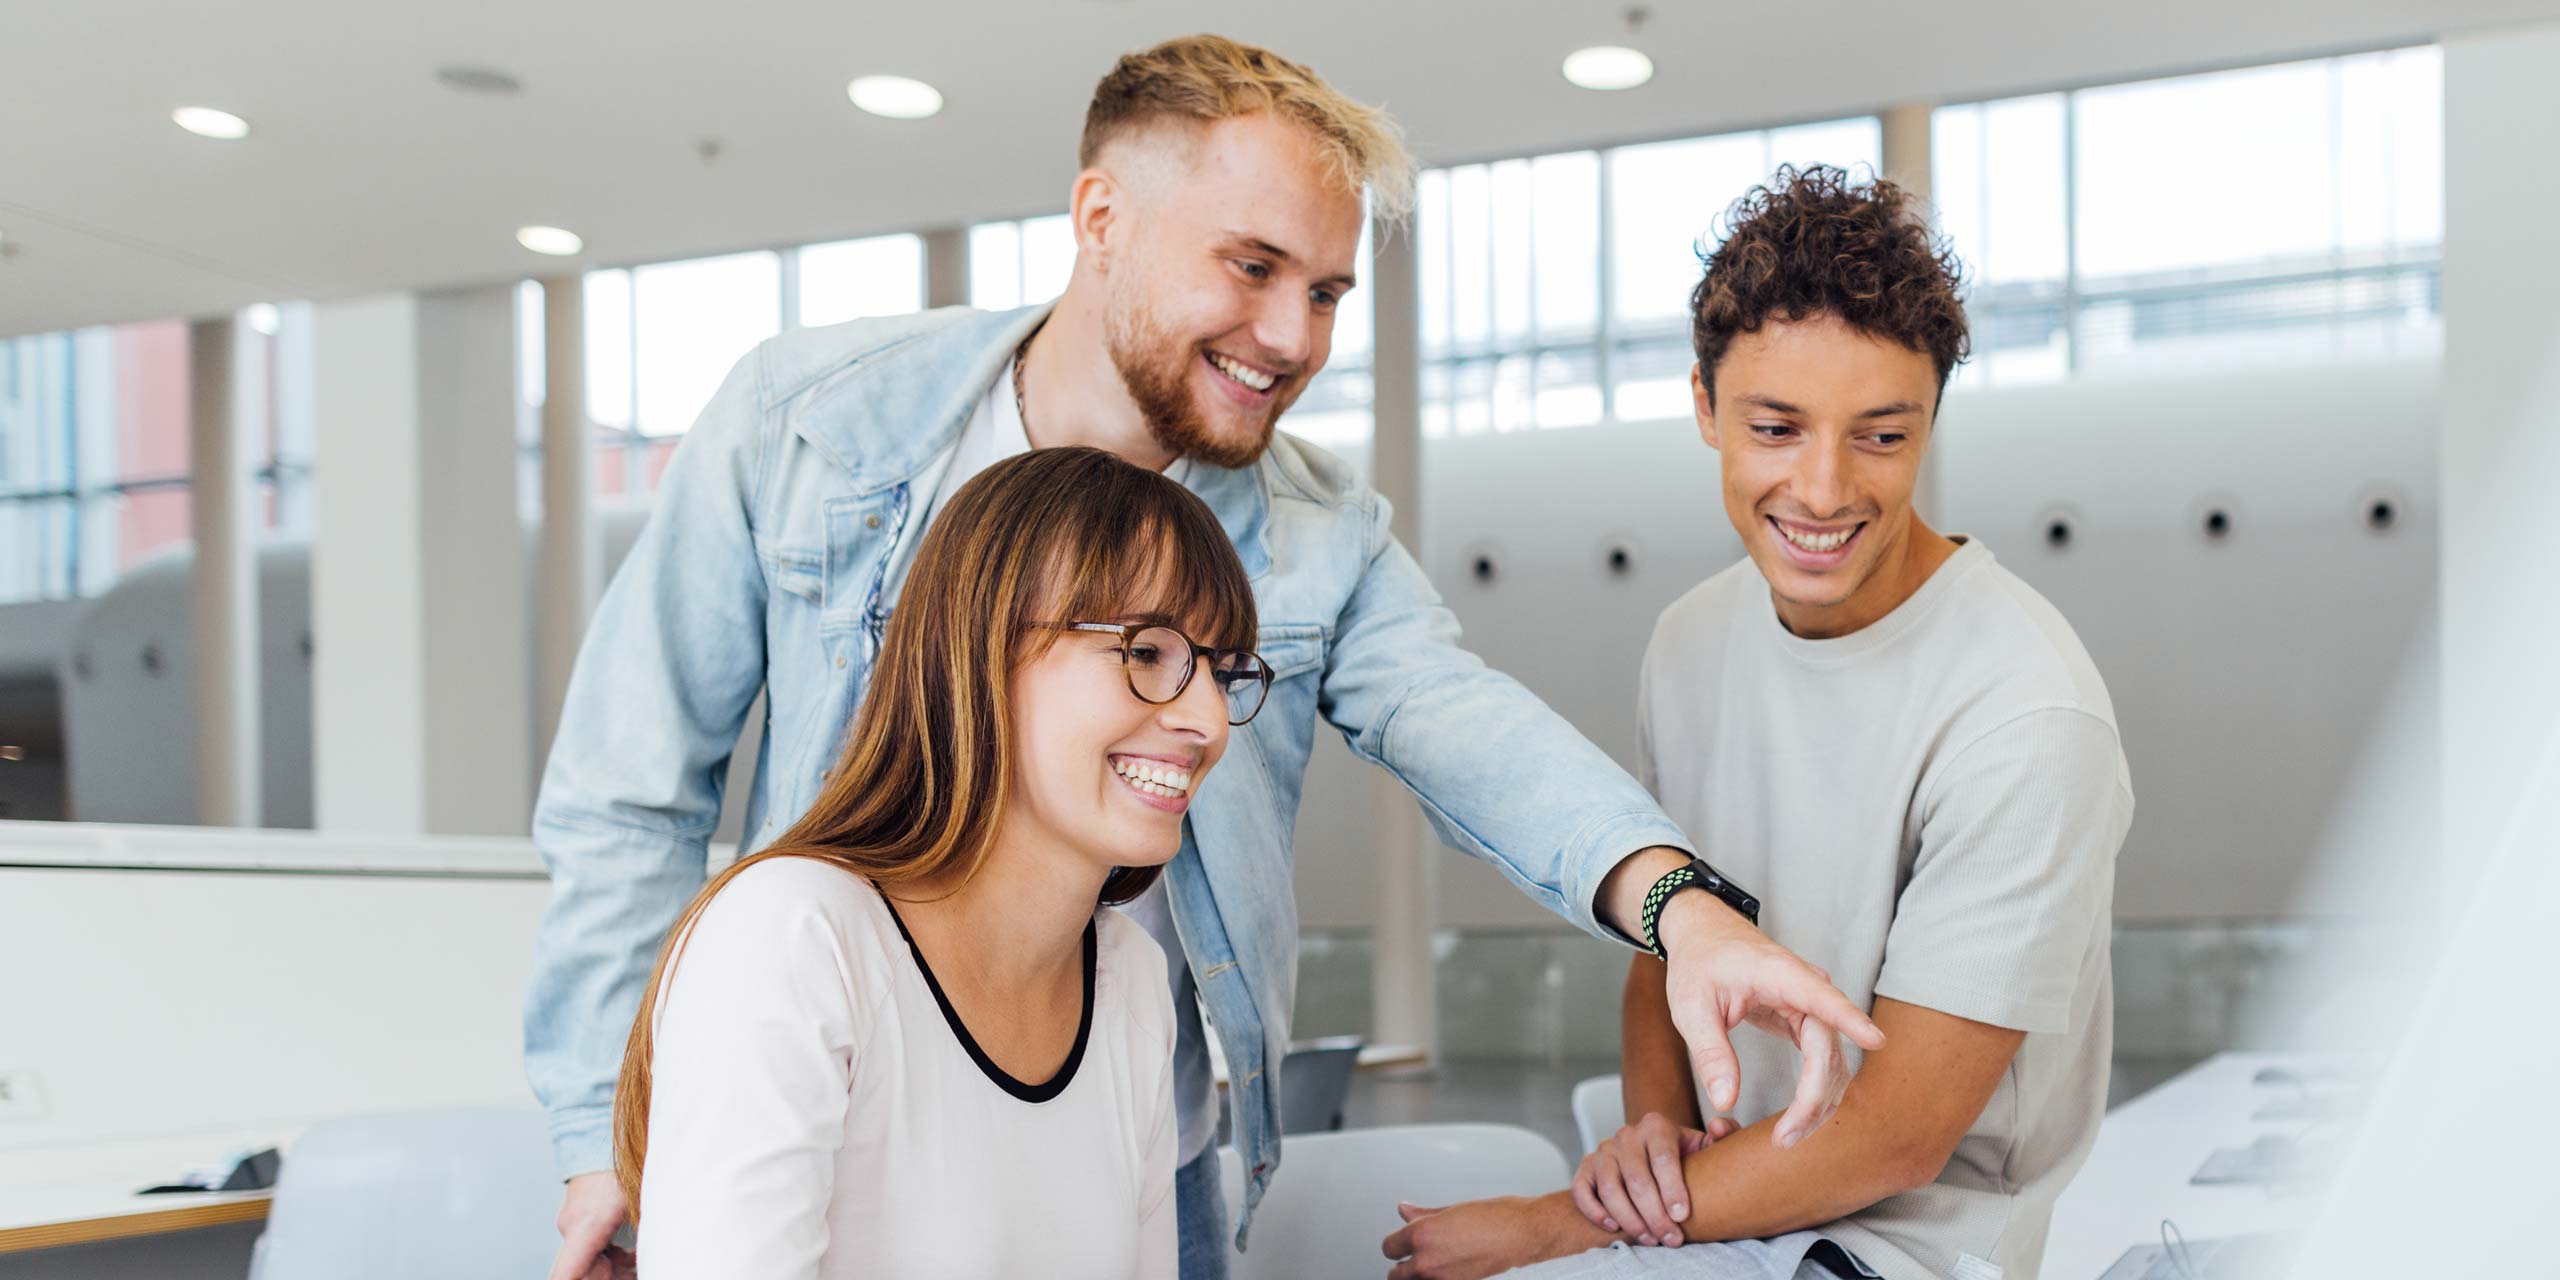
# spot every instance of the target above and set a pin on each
(2275, 688)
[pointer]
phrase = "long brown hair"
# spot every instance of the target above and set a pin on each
(1066, 534)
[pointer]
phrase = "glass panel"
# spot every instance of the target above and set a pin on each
(1048, 257)
(2139, 171)
(691, 322)
(851, 279)
(995, 266)
(608, 348)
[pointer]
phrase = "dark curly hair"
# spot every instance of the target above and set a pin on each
(1816, 241)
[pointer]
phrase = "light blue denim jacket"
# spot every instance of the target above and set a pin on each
(763, 566)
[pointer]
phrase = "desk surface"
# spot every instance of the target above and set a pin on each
(54, 1196)
(2148, 1148)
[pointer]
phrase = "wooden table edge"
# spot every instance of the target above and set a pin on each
(127, 1226)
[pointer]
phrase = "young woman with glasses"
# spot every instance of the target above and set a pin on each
(904, 1040)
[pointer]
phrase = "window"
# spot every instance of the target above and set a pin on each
(93, 456)
(661, 338)
(1015, 264)
(1555, 289)
(2101, 234)
(851, 279)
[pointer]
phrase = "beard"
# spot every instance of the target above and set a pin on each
(1155, 366)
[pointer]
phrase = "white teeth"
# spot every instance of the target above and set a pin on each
(1154, 779)
(1253, 378)
(1817, 542)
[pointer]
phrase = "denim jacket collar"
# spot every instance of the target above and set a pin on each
(918, 393)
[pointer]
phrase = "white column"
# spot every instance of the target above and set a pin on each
(1906, 163)
(421, 679)
(2500, 435)
(569, 568)
(223, 506)
(1404, 1004)
(946, 267)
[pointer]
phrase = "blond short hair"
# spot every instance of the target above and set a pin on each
(1208, 78)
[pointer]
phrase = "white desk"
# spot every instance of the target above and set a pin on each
(2148, 1148)
(57, 1196)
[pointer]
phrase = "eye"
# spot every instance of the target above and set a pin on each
(1142, 654)
(1889, 438)
(1325, 299)
(1772, 430)
(1254, 271)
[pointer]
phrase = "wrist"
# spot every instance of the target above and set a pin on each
(1693, 919)
(1567, 1231)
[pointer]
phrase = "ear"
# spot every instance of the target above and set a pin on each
(1097, 212)
(1702, 402)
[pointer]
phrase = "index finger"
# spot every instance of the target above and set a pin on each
(1820, 1080)
(1829, 1007)
(1399, 1244)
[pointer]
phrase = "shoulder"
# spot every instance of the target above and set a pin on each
(1693, 623)
(1292, 468)
(1132, 969)
(787, 911)
(791, 364)
(2024, 653)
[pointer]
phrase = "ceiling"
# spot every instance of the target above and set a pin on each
(365, 174)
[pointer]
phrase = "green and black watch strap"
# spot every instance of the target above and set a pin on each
(1696, 875)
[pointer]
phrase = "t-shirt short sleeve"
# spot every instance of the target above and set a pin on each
(2015, 872)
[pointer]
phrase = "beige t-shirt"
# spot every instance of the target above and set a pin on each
(1930, 808)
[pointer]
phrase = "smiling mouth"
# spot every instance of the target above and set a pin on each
(1153, 778)
(1244, 376)
(1816, 544)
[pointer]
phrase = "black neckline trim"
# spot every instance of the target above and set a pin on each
(1003, 1079)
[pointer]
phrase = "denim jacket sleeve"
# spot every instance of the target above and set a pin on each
(672, 660)
(1501, 775)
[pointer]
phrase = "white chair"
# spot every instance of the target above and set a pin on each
(420, 1195)
(1599, 1109)
(1334, 1199)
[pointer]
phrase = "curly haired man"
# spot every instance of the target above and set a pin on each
(1911, 748)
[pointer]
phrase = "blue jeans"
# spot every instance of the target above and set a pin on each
(1200, 1206)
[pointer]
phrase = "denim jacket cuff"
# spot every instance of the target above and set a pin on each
(582, 1141)
(1598, 848)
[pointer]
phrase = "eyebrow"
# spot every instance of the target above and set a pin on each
(1243, 240)
(1880, 411)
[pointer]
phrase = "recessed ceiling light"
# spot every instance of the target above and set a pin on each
(205, 122)
(1607, 67)
(550, 240)
(895, 97)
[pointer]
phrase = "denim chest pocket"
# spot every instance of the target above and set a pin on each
(860, 532)
(1290, 649)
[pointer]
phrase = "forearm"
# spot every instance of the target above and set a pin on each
(1653, 1059)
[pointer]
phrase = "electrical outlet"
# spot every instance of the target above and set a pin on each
(21, 1096)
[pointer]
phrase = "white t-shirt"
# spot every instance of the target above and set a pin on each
(815, 1112)
(995, 433)
(1930, 808)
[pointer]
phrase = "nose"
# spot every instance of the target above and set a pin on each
(1823, 482)
(1285, 329)
(1200, 711)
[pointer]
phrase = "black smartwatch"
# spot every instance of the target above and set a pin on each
(1696, 875)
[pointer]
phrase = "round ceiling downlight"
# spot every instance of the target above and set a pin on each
(1608, 67)
(550, 240)
(207, 122)
(895, 97)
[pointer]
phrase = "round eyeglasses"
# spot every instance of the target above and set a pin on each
(1160, 659)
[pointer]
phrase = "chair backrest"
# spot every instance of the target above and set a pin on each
(1334, 1198)
(1315, 1081)
(419, 1195)
(1599, 1109)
